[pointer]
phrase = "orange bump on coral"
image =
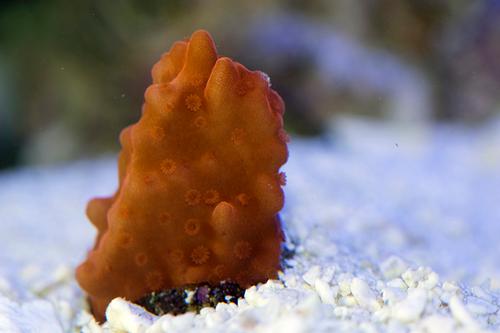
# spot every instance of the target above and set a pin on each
(224, 219)
(199, 182)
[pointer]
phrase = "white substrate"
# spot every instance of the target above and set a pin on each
(396, 230)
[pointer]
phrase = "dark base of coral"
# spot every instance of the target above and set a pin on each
(180, 300)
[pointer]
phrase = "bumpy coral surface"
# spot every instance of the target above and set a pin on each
(199, 182)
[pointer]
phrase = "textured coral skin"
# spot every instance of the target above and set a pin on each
(199, 182)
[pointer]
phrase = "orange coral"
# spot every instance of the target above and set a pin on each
(199, 182)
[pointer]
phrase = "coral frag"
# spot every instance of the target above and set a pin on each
(199, 182)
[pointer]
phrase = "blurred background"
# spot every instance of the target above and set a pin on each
(73, 73)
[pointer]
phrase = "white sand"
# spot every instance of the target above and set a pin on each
(397, 230)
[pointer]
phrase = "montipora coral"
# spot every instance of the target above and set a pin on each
(199, 182)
